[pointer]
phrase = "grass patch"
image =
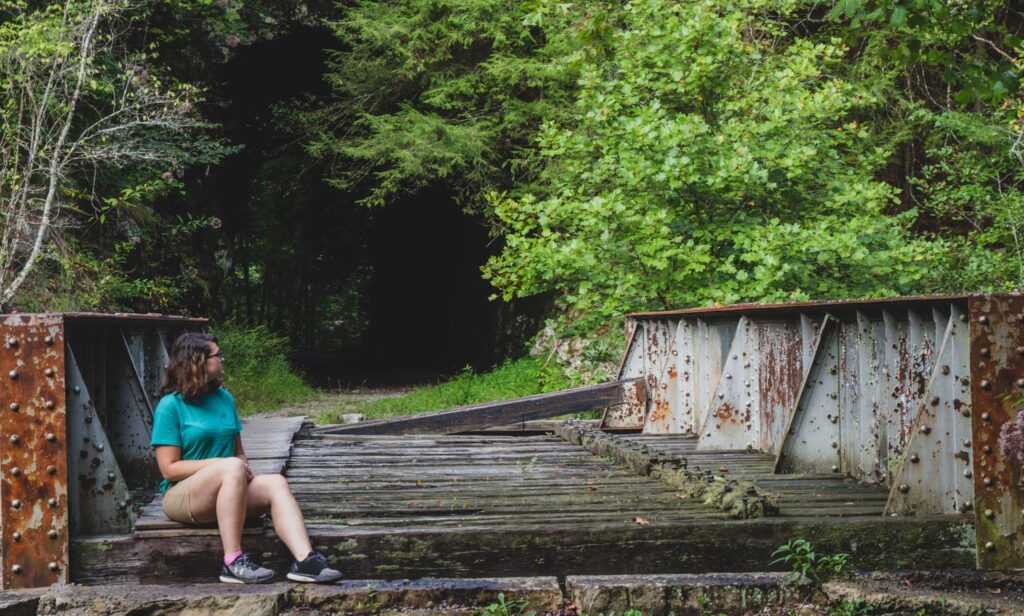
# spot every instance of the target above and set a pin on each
(512, 379)
(256, 369)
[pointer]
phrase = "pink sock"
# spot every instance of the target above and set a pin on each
(230, 558)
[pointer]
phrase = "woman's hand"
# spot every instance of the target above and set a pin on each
(248, 471)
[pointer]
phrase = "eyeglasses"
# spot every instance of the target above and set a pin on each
(219, 356)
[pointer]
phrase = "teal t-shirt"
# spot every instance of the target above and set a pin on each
(203, 428)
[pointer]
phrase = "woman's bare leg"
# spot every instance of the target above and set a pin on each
(271, 493)
(218, 492)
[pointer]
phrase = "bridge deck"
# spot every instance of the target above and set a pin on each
(458, 481)
(494, 504)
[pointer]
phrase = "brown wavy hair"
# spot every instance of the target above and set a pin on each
(186, 368)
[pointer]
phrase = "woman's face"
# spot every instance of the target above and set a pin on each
(214, 362)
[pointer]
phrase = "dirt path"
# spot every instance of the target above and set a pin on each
(345, 399)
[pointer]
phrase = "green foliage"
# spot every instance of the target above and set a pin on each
(639, 155)
(512, 379)
(973, 183)
(256, 369)
(807, 566)
(506, 608)
(973, 45)
(525, 466)
(442, 90)
(130, 131)
(857, 607)
(714, 158)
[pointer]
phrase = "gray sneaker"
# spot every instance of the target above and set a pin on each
(313, 568)
(244, 571)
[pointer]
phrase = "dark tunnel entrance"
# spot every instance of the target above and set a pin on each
(427, 301)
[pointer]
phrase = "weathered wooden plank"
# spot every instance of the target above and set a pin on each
(480, 416)
(539, 549)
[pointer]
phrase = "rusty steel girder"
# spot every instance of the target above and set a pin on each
(908, 392)
(76, 412)
(33, 452)
(997, 387)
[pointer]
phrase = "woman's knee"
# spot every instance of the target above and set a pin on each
(274, 486)
(231, 469)
(277, 483)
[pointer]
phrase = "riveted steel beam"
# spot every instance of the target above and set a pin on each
(933, 471)
(812, 430)
(996, 325)
(128, 420)
(33, 453)
(75, 417)
(632, 367)
(908, 375)
(661, 365)
(733, 421)
(100, 502)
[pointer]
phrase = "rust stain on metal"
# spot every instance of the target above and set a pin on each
(33, 454)
(727, 413)
(660, 362)
(783, 307)
(780, 375)
(996, 329)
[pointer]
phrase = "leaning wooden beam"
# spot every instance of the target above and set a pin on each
(478, 416)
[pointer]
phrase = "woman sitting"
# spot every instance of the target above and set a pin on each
(197, 435)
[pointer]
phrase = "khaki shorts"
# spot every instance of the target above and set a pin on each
(176, 506)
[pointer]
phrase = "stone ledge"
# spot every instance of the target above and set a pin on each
(20, 602)
(428, 596)
(959, 593)
(967, 593)
(185, 600)
(541, 594)
(681, 593)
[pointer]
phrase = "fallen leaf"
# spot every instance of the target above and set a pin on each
(994, 591)
(641, 521)
(682, 495)
(592, 488)
(722, 469)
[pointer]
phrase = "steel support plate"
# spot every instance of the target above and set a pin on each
(812, 438)
(733, 421)
(997, 386)
(33, 454)
(128, 418)
(100, 502)
(625, 416)
(933, 474)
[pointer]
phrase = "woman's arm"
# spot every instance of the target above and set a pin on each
(239, 450)
(173, 468)
(240, 453)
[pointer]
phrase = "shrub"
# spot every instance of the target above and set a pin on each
(256, 368)
(806, 565)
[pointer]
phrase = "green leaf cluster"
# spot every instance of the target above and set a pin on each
(714, 158)
(808, 566)
(448, 91)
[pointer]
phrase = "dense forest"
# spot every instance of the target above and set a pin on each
(358, 175)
